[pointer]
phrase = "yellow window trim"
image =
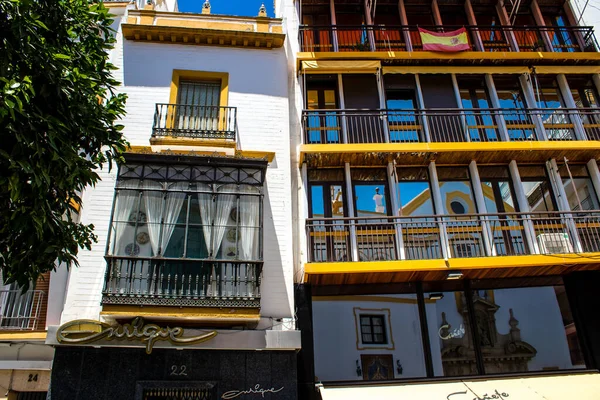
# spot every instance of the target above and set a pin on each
(182, 74)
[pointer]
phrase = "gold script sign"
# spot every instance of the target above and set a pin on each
(84, 331)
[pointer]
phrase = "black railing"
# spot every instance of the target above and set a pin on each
(448, 125)
(203, 122)
(451, 236)
(182, 282)
(21, 311)
(360, 38)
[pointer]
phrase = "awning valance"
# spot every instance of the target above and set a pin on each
(569, 69)
(557, 387)
(456, 70)
(340, 67)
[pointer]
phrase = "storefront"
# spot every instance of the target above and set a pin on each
(499, 331)
(142, 361)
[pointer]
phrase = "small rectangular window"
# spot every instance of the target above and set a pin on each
(372, 329)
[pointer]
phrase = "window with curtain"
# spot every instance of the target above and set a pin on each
(217, 219)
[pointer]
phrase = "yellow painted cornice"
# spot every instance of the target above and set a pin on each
(219, 315)
(449, 153)
(451, 264)
(465, 57)
(23, 336)
(192, 142)
(203, 29)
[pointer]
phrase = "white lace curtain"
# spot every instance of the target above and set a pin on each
(162, 211)
(215, 209)
(126, 204)
(249, 223)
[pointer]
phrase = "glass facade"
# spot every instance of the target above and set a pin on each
(470, 329)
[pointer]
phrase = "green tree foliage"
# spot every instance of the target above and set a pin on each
(59, 116)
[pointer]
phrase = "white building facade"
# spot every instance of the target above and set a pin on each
(194, 228)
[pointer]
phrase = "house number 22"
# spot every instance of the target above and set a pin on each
(178, 370)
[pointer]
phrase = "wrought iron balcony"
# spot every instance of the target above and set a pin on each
(21, 311)
(182, 282)
(361, 38)
(452, 236)
(202, 122)
(449, 125)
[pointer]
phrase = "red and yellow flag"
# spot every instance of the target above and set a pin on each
(445, 41)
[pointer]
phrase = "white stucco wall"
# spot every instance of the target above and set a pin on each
(258, 87)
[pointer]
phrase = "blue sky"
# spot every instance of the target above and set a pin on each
(245, 8)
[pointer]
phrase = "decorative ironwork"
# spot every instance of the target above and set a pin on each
(182, 283)
(203, 122)
(193, 169)
(170, 390)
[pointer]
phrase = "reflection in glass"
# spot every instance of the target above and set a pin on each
(523, 330)
(380, 334)
(452, 348)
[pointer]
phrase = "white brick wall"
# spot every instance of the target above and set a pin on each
(258, 87)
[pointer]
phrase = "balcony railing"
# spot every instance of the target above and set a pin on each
(21, 311)
(452, 236)
(449, 125)
(202, 122)
(481, 38)
(182, 283)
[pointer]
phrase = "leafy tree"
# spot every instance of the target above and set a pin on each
(59, 114)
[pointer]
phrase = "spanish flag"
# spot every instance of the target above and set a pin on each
(445, 41)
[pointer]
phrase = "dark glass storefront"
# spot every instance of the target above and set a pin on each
(443, 329)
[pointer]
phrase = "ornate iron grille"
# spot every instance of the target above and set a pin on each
(178, 394)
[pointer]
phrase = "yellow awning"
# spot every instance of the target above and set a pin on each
(340, 67)
(584, 386)
(455, 70)
(570, 69)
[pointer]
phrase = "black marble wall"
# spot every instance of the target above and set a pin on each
(85, 373)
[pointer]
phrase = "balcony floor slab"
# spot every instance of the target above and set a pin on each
(366, 272)
(321, 155)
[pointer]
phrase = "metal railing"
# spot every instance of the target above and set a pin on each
(21, 311)
(452, 236)
(448, 125)
(359, 38)
(182, 282)
(203, 122)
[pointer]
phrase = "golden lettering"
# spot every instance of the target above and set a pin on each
(89, 331)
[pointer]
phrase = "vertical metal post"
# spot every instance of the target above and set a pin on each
(350, 203)
(304, 238)
(439, 206)
(334, 38)
(488, 236)
(504, 21)
(404, 23)
(435, 10)
(563, 203)
(473, 22)
(392, 182)
(422, 111)
(539, 20)
(498, 116)
(574, 116)
(458, 99)
(532, 105)
(343, 107)
(370, 33)
(383, 115)
(523, 207)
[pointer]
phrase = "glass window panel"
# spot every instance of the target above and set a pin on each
(537, 188)
(370, 200)
(313, 99)
(527, 323)
(337, 331)
(580, 190)
(317, 207)
(452, 348)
